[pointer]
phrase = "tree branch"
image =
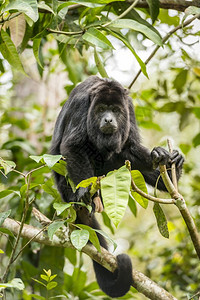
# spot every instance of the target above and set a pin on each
(179, 5)
(180, 203)
(141, 282)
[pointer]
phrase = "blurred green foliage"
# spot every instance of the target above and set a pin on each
(166, 105)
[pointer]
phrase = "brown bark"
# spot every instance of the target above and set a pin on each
(142, 283)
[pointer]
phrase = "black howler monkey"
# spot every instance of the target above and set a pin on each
(96, 131)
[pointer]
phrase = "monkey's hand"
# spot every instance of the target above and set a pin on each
(161, 156)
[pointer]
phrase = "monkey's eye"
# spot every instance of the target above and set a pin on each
(101, 109)
(116, 109)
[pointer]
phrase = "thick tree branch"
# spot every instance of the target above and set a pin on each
(142, 283)
(179, 5)
(180, 203)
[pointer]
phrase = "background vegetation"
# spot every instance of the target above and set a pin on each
(47, 47)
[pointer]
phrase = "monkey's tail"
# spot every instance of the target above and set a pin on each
(118, 283)
(115, 284)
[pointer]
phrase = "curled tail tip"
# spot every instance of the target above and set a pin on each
(124, 264)
(115, 284)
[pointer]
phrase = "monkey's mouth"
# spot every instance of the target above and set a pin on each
(108, 129)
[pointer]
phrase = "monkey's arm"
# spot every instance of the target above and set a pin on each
(78, 166)
(147, 163)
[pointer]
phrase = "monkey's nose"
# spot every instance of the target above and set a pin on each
(108, 120)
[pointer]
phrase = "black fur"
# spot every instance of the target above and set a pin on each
(96, 140)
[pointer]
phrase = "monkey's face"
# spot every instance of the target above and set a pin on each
(107, 118)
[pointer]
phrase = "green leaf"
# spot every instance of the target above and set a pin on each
(140, 183)
(2, 69)
(196, 111)
(40, 282)
(128, 45)
(72, 215)
(62, 10)
(107, 221)
(44, 277)
(60, 168)
(6, 231)
(29, 8)
(100, 65)
(115, 189)
(88, 3)
(93, 236)
(23, 189)
(79, 238)
(132, 205)
(97, 38)
(47, 187)
(52, 228)
(47, 272)
(4, 215)
(52, 277)
(154, 9)
(134, 25)
(185, 148)
(51, 285)
(161, 220)
(87, 182)
(36, 158)
(71, 255)
(51, 160)
(180, 81)
(60, 207)
(8, 192)
(36, 49)
(104, 234)
(7, 165)
(44, 6)
(149, 124)
(37, 296)
(16, 283)
(196, 140)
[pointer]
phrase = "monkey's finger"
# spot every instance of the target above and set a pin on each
(180, 163)
(160, 156)
(175, 154)
(177, 158)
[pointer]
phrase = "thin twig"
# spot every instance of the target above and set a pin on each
(65, 32)
(173, 167)
(10, 17)
(123, 14)
(22, 249)
(143, 194)
(149, 197)
(163, 41)
(20, 230)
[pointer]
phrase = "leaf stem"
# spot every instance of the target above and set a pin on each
(65, 32)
